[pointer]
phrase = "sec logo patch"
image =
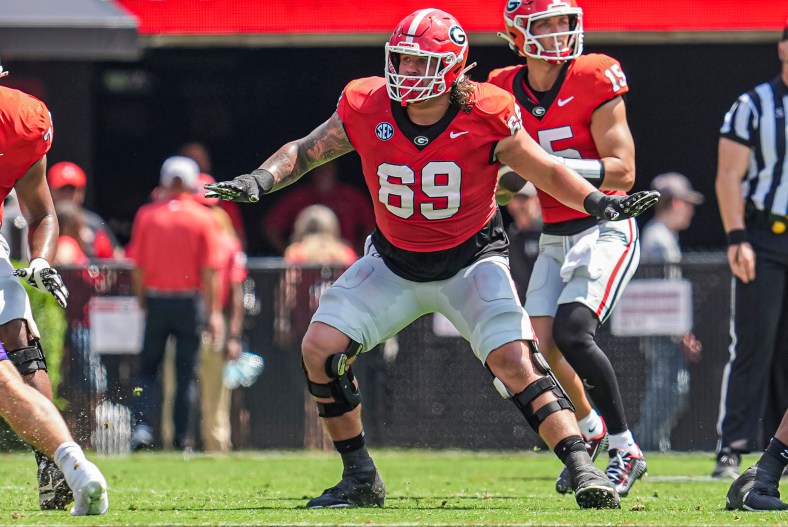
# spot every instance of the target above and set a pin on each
(384, 131)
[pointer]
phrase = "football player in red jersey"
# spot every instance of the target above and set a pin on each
(572, 106)
(64, 475)
(431, 142)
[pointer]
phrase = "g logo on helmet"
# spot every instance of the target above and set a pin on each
(457, 35)
(512, 5)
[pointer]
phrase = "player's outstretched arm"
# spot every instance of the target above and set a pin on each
(326, 142)
(523, 155)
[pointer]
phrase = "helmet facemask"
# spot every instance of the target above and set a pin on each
(520, 20)
(415, 88)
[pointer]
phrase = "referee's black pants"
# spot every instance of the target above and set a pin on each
(755, 380)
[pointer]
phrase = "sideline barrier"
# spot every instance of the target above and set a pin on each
(419, 377)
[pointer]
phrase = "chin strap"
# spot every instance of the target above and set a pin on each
(464, 71)
(512, 44)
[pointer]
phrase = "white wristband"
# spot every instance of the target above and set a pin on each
(38, 263)
(592, 170)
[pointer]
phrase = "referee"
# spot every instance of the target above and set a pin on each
(752, 191)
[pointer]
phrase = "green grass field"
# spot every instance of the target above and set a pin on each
(425, 488)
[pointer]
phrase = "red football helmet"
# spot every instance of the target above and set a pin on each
(432, 34)
(519, 16)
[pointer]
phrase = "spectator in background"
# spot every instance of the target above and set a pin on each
(350, 205)
(67, 183)
(523, 233)
(228, 344)
(199, 152)
(751, 174)
(175, 255)
(667, 378)
(69, 250)
(315, 241)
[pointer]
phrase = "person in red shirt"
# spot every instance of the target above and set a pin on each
(350, 205)
(431, 142)
(573, 106)
(64, 474)
(67, 184)
(176, 259)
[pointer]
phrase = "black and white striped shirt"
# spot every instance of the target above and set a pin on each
(757, 120)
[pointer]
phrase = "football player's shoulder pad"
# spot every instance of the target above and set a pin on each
(491, 99)
(592, 64)
(497, 75)
(364, 95)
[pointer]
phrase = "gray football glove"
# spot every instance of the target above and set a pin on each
(243, 189)
(617, 208)
(44, 278)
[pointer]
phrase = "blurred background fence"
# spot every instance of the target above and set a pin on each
(420, 389)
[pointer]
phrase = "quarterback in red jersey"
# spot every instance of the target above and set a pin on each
(431, 142)
(572, 106)
(64, 475)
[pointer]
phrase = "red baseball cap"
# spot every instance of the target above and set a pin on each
(65, 173)
(199, 194)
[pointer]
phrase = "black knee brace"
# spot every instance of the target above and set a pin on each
(342, 389)
(549, 383)
(29, 359)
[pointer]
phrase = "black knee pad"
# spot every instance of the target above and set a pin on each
(29, 359)
(549, 383)
(342, 388)
(525, 398)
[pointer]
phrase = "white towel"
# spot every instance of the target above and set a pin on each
(580, 254)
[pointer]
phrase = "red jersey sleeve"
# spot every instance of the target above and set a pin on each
(501, 112)
(609, 78)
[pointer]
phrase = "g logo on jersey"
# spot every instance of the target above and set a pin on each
(421, 140)
(384, 131)
(457, 35)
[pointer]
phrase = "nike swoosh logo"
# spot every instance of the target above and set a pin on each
(455, 135)
(562, 102)
(591, 430)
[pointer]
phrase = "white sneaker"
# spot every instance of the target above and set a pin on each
(90, 491)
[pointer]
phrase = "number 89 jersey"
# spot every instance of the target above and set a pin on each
(432, 187)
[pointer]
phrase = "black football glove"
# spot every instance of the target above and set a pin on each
(616, 208)
(44, 278)
(243, 189)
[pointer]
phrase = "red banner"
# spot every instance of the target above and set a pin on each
(218, 17)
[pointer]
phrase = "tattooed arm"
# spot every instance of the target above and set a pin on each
(326, 142)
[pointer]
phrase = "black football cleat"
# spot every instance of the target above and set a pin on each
(594, 446)
(352, 492)
(749, 494)
(53, 491)
(727, 465)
